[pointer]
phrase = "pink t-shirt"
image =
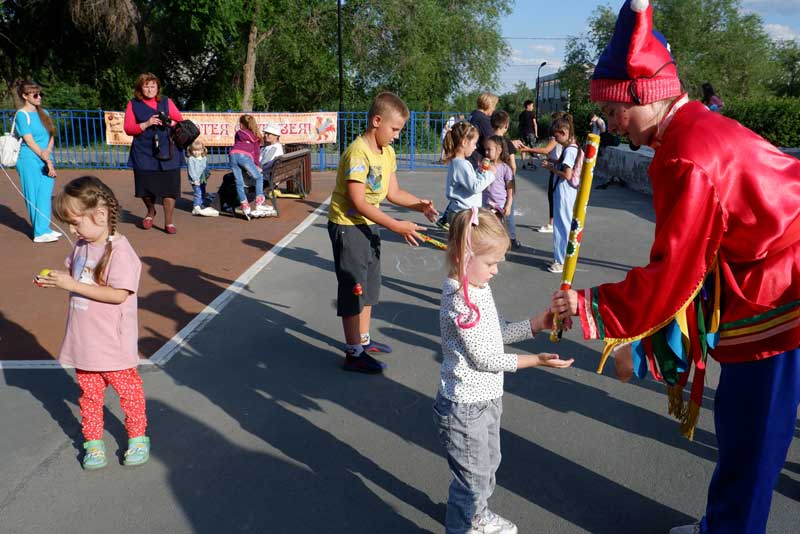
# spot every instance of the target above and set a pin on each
(101, 336)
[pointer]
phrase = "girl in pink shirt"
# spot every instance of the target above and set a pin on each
(101, 337)
(244, 158)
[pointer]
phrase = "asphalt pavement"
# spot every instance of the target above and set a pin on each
(255, 428)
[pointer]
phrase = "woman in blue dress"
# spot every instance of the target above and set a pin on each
(35, 165)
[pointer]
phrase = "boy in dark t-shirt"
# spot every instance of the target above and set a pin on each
(528, 127)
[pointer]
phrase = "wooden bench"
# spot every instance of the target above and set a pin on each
(291, 168)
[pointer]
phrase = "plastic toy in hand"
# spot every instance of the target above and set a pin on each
(42, 273)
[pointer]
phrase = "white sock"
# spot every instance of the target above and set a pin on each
(355, 350)
(365, 339)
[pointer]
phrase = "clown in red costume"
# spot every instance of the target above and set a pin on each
(723, 278)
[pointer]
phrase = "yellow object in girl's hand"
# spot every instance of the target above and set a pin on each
(42, 273)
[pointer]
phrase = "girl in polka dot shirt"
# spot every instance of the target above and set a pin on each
(468, 405)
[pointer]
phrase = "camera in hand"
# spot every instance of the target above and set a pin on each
(164, 118)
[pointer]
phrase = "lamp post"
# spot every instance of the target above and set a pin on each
(537, 88)
(339, 51)
(341, 74)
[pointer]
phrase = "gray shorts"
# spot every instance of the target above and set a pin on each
(357, 260)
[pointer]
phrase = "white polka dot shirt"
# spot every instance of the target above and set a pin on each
(474, 359)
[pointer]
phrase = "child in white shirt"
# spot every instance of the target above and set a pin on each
(469, 404)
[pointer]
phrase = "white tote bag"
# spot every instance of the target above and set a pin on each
(10, 145)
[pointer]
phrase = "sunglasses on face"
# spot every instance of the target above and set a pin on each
(36, 95)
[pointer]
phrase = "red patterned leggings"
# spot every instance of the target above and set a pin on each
(128, 385)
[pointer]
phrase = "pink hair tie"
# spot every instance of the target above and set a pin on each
(474, 220)
(463, 318)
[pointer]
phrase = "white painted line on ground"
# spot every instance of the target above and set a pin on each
(179, 340)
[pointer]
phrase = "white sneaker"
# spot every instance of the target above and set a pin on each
(245, 209)
(46, 238)
(57, 234)
(555, 268)
(545, 229)
(686, 529)
(205, 212)
(491, 523)
(266, 210)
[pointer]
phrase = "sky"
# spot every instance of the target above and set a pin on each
(544, 29)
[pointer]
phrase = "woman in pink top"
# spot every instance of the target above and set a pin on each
(154, 158)
(101, 337)
(244, 157)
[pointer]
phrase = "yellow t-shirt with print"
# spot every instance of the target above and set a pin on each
(360, 164)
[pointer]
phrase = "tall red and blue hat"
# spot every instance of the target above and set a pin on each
(636, 67)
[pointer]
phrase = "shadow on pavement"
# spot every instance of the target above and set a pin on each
(223, 487)
(280, 389)
(272, 394)
(13, 221)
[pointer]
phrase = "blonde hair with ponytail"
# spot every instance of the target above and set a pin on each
(473, 232)
(460, 132)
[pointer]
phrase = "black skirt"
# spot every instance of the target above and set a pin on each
(157, 184)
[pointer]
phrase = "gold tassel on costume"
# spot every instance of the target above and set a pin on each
(610, 345)
(676, 405)
(689, 420)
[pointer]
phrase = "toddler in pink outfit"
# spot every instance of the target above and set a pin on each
(101, 336)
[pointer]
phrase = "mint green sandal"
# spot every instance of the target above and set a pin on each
(95, 456)
(138, 451)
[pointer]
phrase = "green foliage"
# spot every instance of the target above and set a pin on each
(786, 80)
(62, 94)
(425, 50)
(577, 70)
(777, 119)
(581, 112)
(465, 100)
(714, 41)
(513, 101)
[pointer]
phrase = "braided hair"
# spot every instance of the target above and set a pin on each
(86, 194)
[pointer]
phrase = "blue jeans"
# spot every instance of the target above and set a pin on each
(755, 410)
(198, 194)
(511, 222)
(243, 162)
(470, 432)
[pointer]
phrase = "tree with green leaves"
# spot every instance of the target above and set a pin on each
(259, 54)
(786, 79)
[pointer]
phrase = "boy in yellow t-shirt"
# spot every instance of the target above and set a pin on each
(366, 176)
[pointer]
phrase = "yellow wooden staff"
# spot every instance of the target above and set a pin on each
(578, 221)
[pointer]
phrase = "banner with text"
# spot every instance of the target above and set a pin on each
(218, 129)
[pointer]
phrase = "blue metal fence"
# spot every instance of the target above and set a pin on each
(80, 141)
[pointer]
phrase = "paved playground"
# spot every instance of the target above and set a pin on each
(256, 429)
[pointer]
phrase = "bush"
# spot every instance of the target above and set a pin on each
(777, 119)
(580, 116)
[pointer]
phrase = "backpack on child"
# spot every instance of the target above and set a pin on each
(575, 181)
